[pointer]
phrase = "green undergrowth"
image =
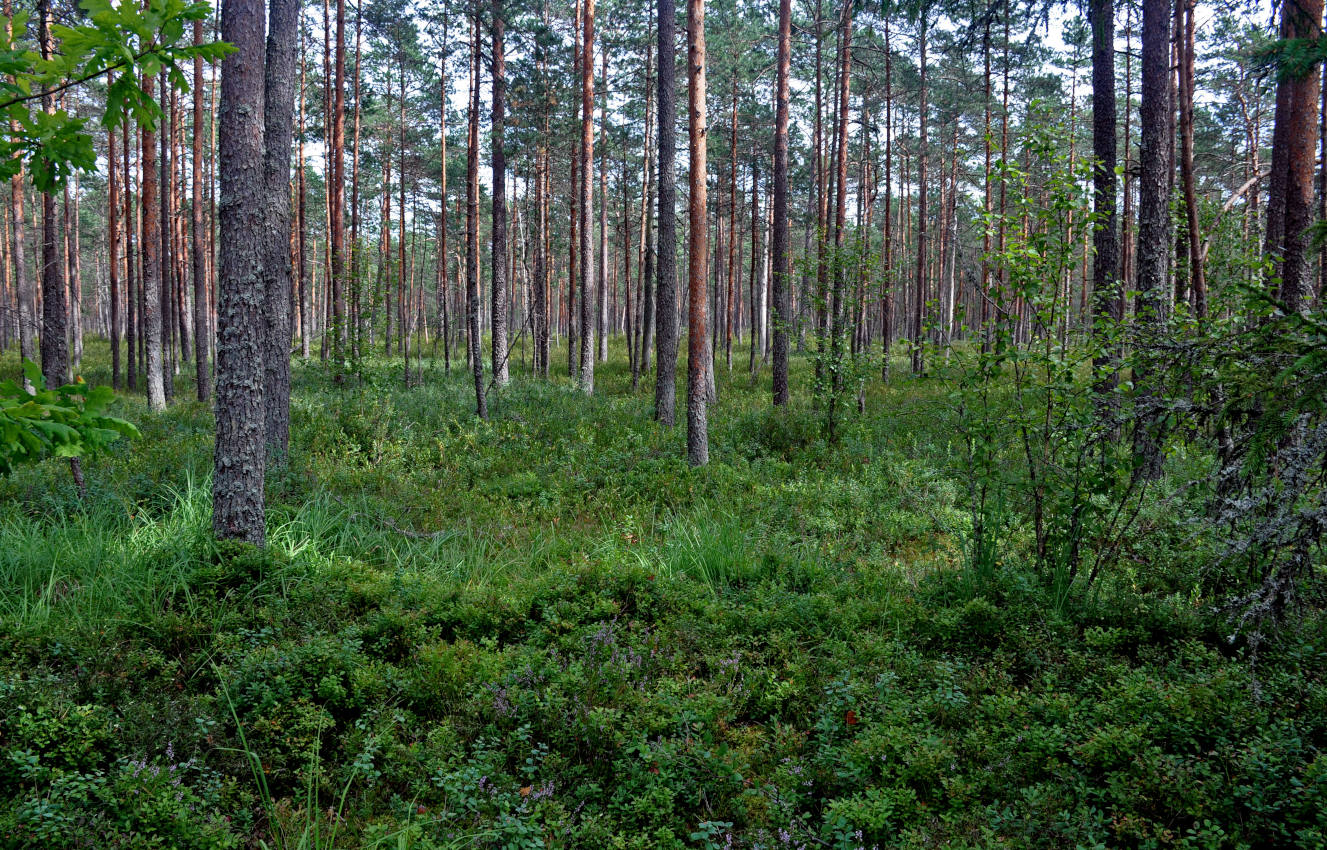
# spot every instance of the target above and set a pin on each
(546, 630)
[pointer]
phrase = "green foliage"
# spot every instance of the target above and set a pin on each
(128, 38)
(1039, 424)
(546, 630)
(68, 421)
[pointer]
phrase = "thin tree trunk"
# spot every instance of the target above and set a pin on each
(203, 375)
(113, 240)
(587, 281)
(698, 359)
(150, 247)
(472, 226)
(919, 307)
(443, 282)
(499, 223)
(782, 281)
(837, 303)
(27, 312)
(604, 322)
(1197, 279)
(131, 334)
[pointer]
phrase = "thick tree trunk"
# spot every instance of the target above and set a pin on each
(237, 482)
(1290, 197)
(278, 113)
(1105, 264)
(1153, 214)
(665, 385)
(55, 318)
(698, 358)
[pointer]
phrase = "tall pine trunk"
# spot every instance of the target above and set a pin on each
(1105, 264)
(782, 281)
(499, 224)
(278, 113)
(698, 357)
(919, 303)
(1290, 196)
(586, 200)
(237, 482)
(472, 226)
(1153, 215)
(665, 385)
(55, 318)
(203, 376)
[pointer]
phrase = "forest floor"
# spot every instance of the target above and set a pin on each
(546, 630)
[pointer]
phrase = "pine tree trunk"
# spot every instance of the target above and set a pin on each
(837, 305)
(472, 226)
(587, 269)
(1153, 214)
(203, 374)
(665, 385)
(149, 249)
(27, 319)
(782, 279)
(278, 112)
(237, 482)
(919, 305)
(337, 195)
(443, 282)
(1289, 202)
(55, 318)
(698, 358)
(1105, 266)
(499, 223)
(113, 240)
(1197, 279)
